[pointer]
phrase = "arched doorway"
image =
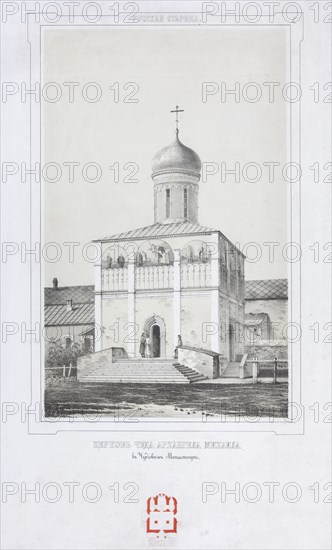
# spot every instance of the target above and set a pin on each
(231, 340)
(155, 341)
(156, 329)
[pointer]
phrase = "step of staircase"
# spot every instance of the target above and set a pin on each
(119, 380)
(192, 374)
(135, 370)
(147, 360)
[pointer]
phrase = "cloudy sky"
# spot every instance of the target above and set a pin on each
(161, 68)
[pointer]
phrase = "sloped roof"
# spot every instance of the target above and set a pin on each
(79, 294)
(269, 289)
(80, 314)
(159, 230)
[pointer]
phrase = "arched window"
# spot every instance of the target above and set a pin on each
(185, 203)
(168, 203)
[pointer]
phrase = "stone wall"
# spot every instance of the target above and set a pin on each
(87, 364)
(114, 321)
(195, 311)
(204, 361)
(267, 349)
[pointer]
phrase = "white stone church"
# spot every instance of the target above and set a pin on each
(174, 277)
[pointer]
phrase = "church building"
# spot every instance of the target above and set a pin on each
(174, 277)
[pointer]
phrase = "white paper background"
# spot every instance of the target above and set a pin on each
(263, 457)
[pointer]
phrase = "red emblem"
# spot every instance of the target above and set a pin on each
(161, 511)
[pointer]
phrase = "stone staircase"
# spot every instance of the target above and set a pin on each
(192, 374)
(135, 370)
(233, 369)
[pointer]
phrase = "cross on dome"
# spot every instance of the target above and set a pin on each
(176, 157)
(177, 111)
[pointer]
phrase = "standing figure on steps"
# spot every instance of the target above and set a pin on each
(147, 347)
(142, 345)
(179, 345)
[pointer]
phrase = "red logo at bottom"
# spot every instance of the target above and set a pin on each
(162, 511)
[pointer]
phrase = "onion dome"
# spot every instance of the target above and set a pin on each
(176, 157)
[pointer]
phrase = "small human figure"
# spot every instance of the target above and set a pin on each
(140, 259)
(191, 255)
(109, 261)
(201, 254)
(121, 261)
(142, 344)
(147, 347)
(178, 345)
(161, 254)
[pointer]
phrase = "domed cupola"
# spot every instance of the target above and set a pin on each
(176, 171)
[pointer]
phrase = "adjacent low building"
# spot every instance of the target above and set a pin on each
(266, 318)
(69, 315)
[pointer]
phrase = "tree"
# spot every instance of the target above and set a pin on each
(60, 354)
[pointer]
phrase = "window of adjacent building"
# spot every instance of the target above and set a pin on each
(185, 203)
(87, 344)
(168, 203)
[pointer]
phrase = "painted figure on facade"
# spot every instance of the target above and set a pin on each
(121, 261)
(139, 259)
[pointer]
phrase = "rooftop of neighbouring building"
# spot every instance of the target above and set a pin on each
(83, 294)
(269, 289)
(78, 314)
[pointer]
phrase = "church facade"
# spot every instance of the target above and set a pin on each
(171, 278)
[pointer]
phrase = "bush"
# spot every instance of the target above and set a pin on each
(60, 355)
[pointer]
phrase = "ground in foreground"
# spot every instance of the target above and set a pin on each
(72, 398)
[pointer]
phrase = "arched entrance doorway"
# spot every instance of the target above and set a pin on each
(155, 341)
(156, 329)
(231, 340)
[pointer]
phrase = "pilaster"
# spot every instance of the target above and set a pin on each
(131, 307)
(176, 296)
(98, 299)
(215, 339)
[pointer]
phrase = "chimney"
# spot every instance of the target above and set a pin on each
(69, 305)
(55, 283)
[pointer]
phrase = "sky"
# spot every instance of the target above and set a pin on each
(150, 71)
